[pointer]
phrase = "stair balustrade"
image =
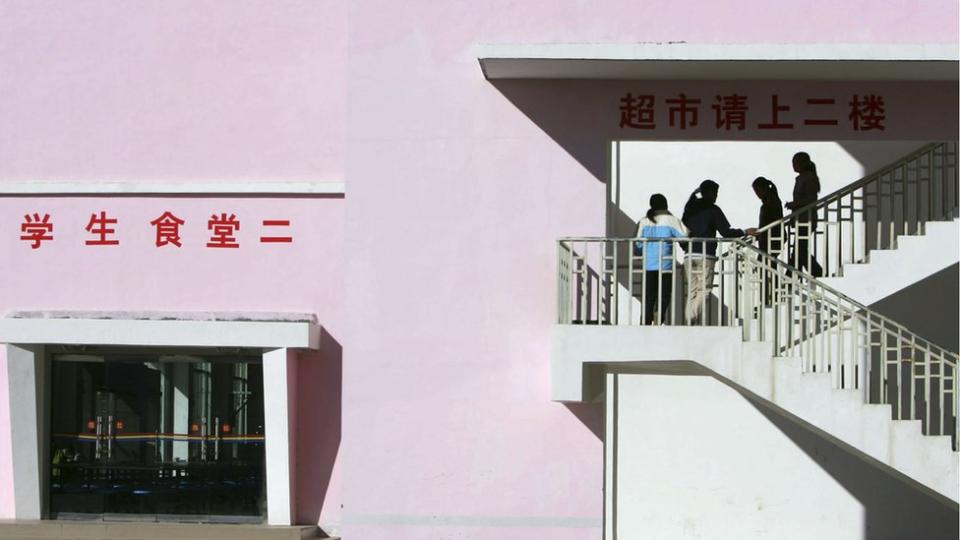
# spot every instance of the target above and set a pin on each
(732, 283)
(869, 214)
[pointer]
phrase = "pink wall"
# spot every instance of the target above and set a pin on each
(434, 278)
(172, 89)
(457, 195)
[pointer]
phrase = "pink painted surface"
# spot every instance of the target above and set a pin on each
(172, 90)
(303, 276)
(7, 505)
(436, 284)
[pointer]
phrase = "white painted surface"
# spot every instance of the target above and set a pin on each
(171, 333)
(172, 188)
(279, 368)
(694, 459)
(676, 168)
(840, 414)
(889, 271)
(181, 409)
(821, 61)
(25, 372)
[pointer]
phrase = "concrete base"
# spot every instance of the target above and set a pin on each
(151, 531)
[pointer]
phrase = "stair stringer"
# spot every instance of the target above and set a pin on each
(840, 414)
(843, 415)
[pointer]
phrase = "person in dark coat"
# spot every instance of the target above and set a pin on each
(771, 210)
(805, 191)
(704, 219)
(771, 240)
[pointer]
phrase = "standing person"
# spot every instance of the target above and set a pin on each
(704, 219)
(771, 210)
(770, 241)
(657, 256)
(805, 191)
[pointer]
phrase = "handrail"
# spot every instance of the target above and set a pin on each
(606, 281)
(860, 307)
(786, 268)
(850, 188)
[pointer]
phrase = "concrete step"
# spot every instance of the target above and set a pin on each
(63, 529)
(891, 270)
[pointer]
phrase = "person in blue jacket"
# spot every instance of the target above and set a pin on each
(704, 219)
(657, 256)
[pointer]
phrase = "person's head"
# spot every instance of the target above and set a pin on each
(658, 203)
(802, 162)
(708, 191)
(763, 187)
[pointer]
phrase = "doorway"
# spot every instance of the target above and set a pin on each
(172, 435)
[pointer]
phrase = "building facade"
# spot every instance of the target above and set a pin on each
(298, 262)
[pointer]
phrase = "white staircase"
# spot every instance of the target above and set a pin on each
(812, 398)
(809, 349)
(914, 258)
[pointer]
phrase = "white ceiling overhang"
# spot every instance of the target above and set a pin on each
(686, 61)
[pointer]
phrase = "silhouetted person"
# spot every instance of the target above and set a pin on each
(657, 256)
(805, 191)
(704, 219)
(771, 210)
(769, 241)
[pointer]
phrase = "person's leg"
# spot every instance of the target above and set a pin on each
(694, 270)
(709, 269)
(666, 295)
(650, 295)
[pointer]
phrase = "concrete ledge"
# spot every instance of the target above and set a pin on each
(678, 61)
(153, 531)
(665, 348)
(179, 330)
(47, 188)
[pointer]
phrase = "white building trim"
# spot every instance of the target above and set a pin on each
(40, 188)
(88, 330)
(678, 61)
(29, 385)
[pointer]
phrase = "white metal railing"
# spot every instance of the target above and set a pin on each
(714, 282)
(869, 214)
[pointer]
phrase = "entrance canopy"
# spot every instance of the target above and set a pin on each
(686, 61)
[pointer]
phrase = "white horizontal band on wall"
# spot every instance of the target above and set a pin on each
(689, 61)
(713, 51)
(38, 188)
(159, 333)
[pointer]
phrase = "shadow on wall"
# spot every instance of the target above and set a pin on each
(320, 391)
(893, 508)
(590, 414)
(557, 109)
(940, 293)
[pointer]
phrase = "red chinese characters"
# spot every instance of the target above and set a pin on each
(276, 239)
(36, 229)
(731, 111)
(98, 225)
(868, 113)
(684, 108)
(637, 112)
(224, 227)
(776, 109)
(820, 121)
(167, 229)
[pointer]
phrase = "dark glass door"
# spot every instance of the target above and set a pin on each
(157, 437)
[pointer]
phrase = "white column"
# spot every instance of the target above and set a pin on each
(610, 457)
(181, 409)
(279, 406)
(26, 376)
